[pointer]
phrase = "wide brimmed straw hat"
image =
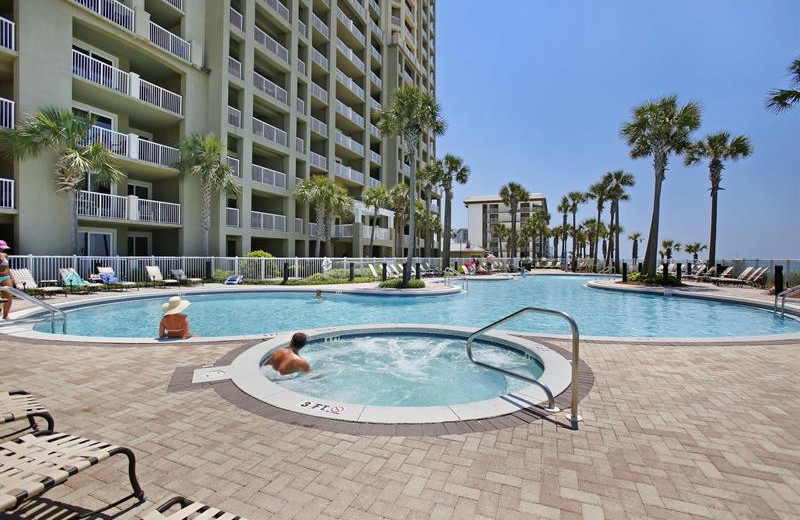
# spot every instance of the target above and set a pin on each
(175, 305)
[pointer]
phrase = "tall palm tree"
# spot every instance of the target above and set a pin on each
(694, 249)
(616, 182)
(410, 114)
(563, 208)
(201, 156)
(527, 235)
(658, 129)
(330, 200)
(556, 234)
(717, 148)
(576, 198)
(591, 227)
(502, 233)
(599, 193)
(635, 238)
(428, 178)
(512, 194)
(376, 198)
(58, 130)
(540, 228)
(398, 202)
(454, 170)
(669, 246)
(780, 100)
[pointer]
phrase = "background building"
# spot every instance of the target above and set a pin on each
(292, 87)
(483, 212)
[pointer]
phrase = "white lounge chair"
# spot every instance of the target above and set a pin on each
(107, 273)
(183, 279)
(155, 276)
(23, 280)
(372, 271)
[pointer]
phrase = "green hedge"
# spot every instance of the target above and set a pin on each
(652, 280)
(397, 283)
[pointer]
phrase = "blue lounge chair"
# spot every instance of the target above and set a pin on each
(233, 279)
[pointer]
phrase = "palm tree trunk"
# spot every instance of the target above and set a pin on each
(651, 254)
(635, 252)
(574, 243)
(712, 241)
(596, 237)
(555, 246)
(205, 194)
(564, 240)
(372, 232)
(328, 223)
(72, 208)
(447, 231)
(320, 215)
(428, 229)
(513, 233)
(617, 266)
(412, 197)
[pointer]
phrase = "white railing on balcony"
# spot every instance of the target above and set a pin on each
(101, 73)
(346, 172)
(342, 230)
(177, 4)
(236, 18)
(232, 217)
(302, 28)
(234, 165)
(298, 226)
(270, 88)
(235, 117)
(380, 233)
(318, 160)
(349, 143)
(159, 212)
(235, 67)
(300, 145)
(267, 221)
(170, 42)
(348, 82)
(278, 8)
(375, 6)
(111, 10)
(395, 20)
(374, 131)
(376, 55)
(350, 25)
(377, 31)
(349, 113)
(269, 43)
(102, 205)
(160, 97)
(318, 126)
(7, 193)
(158, 153)
(269, 176)
(269, 132)
(373, 182)
(301, 66)
(406, 169)
(320, 26)
(375, 79)
(115, 142)
(375, 157)
(407, 78)
(7, 38)
(298, 180)
(319, 92)
(359, 8)
(318, 58)
(373, 103)
(348, 53)
(300, 104)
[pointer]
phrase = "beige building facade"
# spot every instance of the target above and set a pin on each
(291, 86)
(486, 211)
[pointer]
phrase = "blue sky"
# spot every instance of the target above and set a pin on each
(535, 92)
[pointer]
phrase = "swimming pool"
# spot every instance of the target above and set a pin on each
(597, 312)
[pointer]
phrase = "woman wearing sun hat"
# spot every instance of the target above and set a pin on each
(5, 278)
(174, 324)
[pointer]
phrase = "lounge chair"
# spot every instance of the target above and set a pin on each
(70, 279)
(23, 280)
(36, 462)
(711, 272)
(724, 274)
(179, 275)
(700, 270)
(188, 510)
(17, 405)
(739, 280)
(758, 277)
(392, 272)
(110, 279)
(156, 278)
(234, 279)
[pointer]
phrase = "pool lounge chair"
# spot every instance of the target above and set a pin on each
(110, 279)
(710, 276)
(372, 271)
(188, 510)
(36, 462)
(23, 280)
(156, 278)
(392, 272)
(70, 279)
(758, 278)
(17, 405)
(179, 275)
(700, 270)
(738, 280)
(234, 279)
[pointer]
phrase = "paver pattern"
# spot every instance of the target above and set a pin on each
(670, 431)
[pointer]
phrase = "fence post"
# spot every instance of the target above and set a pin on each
(778, 279)
(210, 268)
(640, 267)
(262, 267)
(624, 272)
(417, 271)
(383, 272)
(678, 267)
(688, 268)
(352, 271)
(665, 273)
(236, 265)
(285, 272)
(296, 268)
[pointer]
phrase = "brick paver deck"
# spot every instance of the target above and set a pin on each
(670, 432)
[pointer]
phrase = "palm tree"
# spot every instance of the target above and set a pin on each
(410, 114)
(453, 170)
(201, 156)
(616, 182)
(502, 233)
(540, 228)
(428, 177)
(658, 129)
(563, 208)
(694, 249)
(576, 198)
(398, 202)
(556, 234)
(783, 99)
(669, 246)
(375, 198)
(330, 200)
(635, 237)
(717, 147)
(599, 193)
(58, 130)
(512, 194)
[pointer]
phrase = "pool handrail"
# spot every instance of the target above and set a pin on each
(461, 277)
(53, 310)
(575, 418)
(782, 296)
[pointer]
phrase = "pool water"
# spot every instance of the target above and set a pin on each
(405, 370)
(597, 312)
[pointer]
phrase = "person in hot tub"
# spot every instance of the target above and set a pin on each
(287, 360)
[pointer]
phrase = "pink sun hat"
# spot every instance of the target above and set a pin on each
(3, 245)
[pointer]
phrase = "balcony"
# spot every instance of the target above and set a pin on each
(177, 4)
(299, 145)
(269, 132)
(6, 113)
(300, 105)
(373, 182)
(346, 172)
(374, 105)
(349, 113)
(319, 59)
(270, 44)
(320, 26)
(318, 127)
(301, 66)
(376, 55)
(236, 19)
(349, 143)
(375, 29)
(375, 158)
(337, 231)
(374, 131)
(269, 176)
(406, 169)
(376, 80)
(348, 53)
(235, 67)
(6, 194)
(278, 8)
(375, 7)
(359, 8)
(7, 39)
(380, 233)
(407, 78)
(350, 26)
(269, 88)
(131, 208)
(111, 10)
(232, 217)
(127, 83)
(267, 221)
(170, 42)
(133, 147)
(302, 28)
(351, 85)
(235, 117)
(318, 161)
(319, 92)
(234, 165)
(298, 226)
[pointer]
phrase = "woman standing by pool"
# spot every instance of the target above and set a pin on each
(5, 279)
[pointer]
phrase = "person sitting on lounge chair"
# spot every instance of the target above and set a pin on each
(174, 324)
(287, 360)
(5, 279)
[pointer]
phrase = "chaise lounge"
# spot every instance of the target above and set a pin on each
(17, 405)
(188, 510)
(23, 280)
(156, 278)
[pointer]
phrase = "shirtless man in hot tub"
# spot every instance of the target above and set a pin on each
(287, 360)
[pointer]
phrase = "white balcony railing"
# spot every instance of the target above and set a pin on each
(270, 88)
(407, 78)
(235, 117)
(376, 55)
(111, 10)
(298, 226)
(159, 212)
(346, 172)
(349, 143)
(406, 169)
(302, 28)
(375, 79)
(380, 233)
(269, 176)
(170, 42)
(269, 43)
(235, 67)
(318, 58)
(374, 104)
(301, 66)
(279, 8)
(269, 132)
(267, 221)
(375, 158)
(349, 113)
(6, 194)
(374, 131)
(235, 165)
(318, 126)
(320, 26)
(158, 153)
(373, 182)
(232, 217)
(177, 4)
(160, 97)
(359, 8)
(350, 25)
(300, 145)
(7, 38)
(318, 160)
(348, 82)
(375, 29)
(342, 230)
(348, 53)
(236, 18)
(375, 6)
(319, 92)
(300, 104)
(102, 205)
(114, 142)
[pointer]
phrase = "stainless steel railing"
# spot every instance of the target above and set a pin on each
(782, 296)
(461, 278)
(46, 306)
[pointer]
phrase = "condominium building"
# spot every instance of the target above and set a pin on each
(291, 86)
(487, 211)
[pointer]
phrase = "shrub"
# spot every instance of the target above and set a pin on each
(397, 283)
(652, 280)
(251, 269)
(220, 275)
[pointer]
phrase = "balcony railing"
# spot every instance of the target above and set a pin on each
(348, 82)
(374, 131)
(115, 142)
(302, 28)
(301, 66)
(7, 193)
(350, 54)
(380, 233)
(377, 31)
(346, 172)
(159, 212)
(269, 43)
(232, 217)
(234, 165)
(376, 55)
(235, 67)
(236, 18)
(318, 160)
(300, 104)
(269, 88)
(160, 97)
(298, 226)
(375, 79)
(279, 8)
(235, 117)
(170, 42)
(407, 78)
(300, 145)
(269, 132)
(342, 230)
(158, 153)
(269, 176)
(7, 38)
(318, 58)
(351, 26)
(359, 8)
(111, 10)
(267, 221)
(318, 126)
(375, 157)
(320, 26)
(375, 6)
(102, 205)
(133, 146)
(349, 113)
(319, 92)
(349, 143)
(177, 4)
(374, 105)
(406, 169)
(373, 182)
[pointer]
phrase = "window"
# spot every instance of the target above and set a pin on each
(139, 245)
(95, 244)
(141, 190)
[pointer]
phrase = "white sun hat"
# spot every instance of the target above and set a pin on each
(175, 305)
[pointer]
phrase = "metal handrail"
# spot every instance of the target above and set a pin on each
(52, 309)
(782, 296)
(551, 405)
(464, 280)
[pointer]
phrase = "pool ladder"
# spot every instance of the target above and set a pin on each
(782, 296)
(461, 278)
(575, 418)
(46, 306)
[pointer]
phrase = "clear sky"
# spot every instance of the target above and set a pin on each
(535, 92)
